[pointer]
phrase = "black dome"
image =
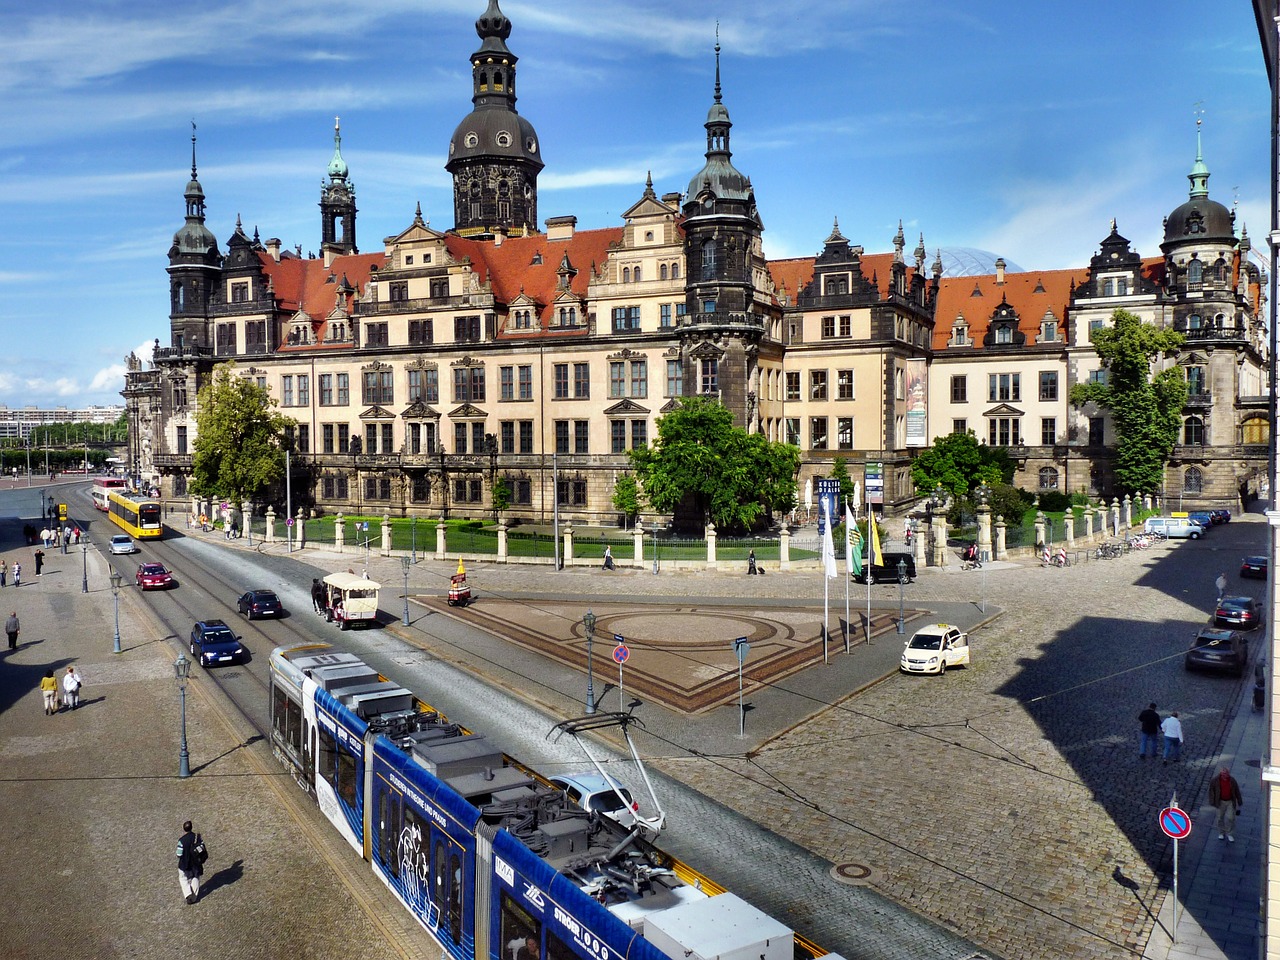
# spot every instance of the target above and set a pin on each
(495, 133)
(1199, 219)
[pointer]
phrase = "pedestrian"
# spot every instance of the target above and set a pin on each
(1221, 584)
(4, 572)
(44, 537)
(608, 558)
(76, 534)
(17, 575)
(1224, 794)
(49, 688)
(751, 562)
(1150, 724)
(317, 594)
(191, 857)
(39, 555)
(1171, 727)
(11, 628)
(71, 687)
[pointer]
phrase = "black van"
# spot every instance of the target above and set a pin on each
(888, 572)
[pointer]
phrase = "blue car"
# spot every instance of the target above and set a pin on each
(213, 642)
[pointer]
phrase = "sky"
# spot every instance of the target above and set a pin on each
(1017, 127)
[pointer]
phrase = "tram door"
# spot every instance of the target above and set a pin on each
(447, 886)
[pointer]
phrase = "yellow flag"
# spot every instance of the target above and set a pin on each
(877, 558)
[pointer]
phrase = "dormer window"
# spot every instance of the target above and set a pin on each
(1108, 288)
(1122, 288)
(960, 335)
(1004, 333)
(1048, 331)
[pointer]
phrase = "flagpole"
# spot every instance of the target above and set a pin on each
(848, 568)
(826, 582)
(871, 556)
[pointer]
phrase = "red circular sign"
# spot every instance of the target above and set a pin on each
(1175, 823)
(620, 653)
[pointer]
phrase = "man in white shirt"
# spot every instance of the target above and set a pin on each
(1171, 727)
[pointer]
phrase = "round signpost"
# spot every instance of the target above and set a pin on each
(1176, 825)
(620, 655)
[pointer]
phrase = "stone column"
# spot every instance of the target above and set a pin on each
(918, 548)
(939, 538)
(1115, 512)
(502, 538)
(1126, 517)
(568, 544)
(441, 546)
(784, 549)
(1146, 502)
(386, 535)
(1040, 540)
(339, 533)
(246, 512)
(1001, 552)
(984, 532)
(711, 545)
(1069, 528)
(637, 541)
(271, 524)
(302, 530)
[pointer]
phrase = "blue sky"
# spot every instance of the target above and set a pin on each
(1021, 128)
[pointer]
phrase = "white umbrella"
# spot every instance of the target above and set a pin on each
(808, 497)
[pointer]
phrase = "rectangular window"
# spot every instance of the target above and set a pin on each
(846, 326)
(562, 436)
(415, 438)
(793, 431)
(639, 434)
(617, 436)
(326, 438)
(388, 438)
(639, 378)
(524, 377)
(580, 436)
(182, 441)
(522, 492)
(1196, 382)
(1099, 376)
(415, 385)
(626, 319)
(466, 329)
(286, 390)
(431, 386)
(1004, 431)
(526, 436)
(506, 383)
(710, 376)
(1004, 386)
(675, 378)
(844, 433)
(344, 390)
(828, 327)
(1048, 431)
(326, 389)
(818, 433)
(226, 339)
(507, 436)
(420, 492)
(793, 385)
(398, 291)
(344, 438)
(1097, 431)
(582, 381)
(304, 390)
(459, 438)
(817, 384)
(304, 438)
(477, 437)
(375, 334)
(468, 384)
(617, 378)
(420, 332)
(844, 384)
(370, 438)
(560, 379)
(240, 292)
(1048, 385)
(959, 426)
(665, 315)
(959, 389)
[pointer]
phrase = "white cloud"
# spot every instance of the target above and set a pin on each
(108, 378)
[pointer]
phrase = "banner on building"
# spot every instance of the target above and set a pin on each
(917, 403)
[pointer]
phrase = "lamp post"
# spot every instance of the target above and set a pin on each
(84, 564)
(902, 578)
(181, 671)
(404, 563)
(937, 500)
(115, 596)
(655, 546)
(589, 624)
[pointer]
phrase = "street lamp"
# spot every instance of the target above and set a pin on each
(655, 546)
(404, 563)
(589, 624)
(181, 671)
(115, 596)
(902, 578)
(84, 564)
(937, 500)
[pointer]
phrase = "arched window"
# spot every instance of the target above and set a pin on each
(626, 274)
(1122, 288)
(573, 316)
(1108, 288)
(1255, 431)
(1195, 271)
(635, 275)
(709, 260)
(1194, 321)
(1193, 481)
(662, 272)
(1193, 432)
(1048, 478)
(562, 316)
(675, 271)
(1220, 271)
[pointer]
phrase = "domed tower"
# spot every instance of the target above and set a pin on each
(723, 257)
(194, 267)
(1199, 240)
(493, 154)
(337, 205)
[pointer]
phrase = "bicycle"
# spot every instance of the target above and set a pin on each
(970, 564)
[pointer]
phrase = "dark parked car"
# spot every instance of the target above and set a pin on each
(212, 641)
(1255, 567)
(1241, 612)
(1201, 517)
(1220, 516)
(1215, 649)
(260, 603)
(888, 571)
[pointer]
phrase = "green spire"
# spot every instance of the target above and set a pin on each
(1199, 175)
(337, 166)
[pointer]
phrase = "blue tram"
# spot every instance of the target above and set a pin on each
(494, 861)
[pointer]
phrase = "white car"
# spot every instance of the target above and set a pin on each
(123, 543)
(934, 648)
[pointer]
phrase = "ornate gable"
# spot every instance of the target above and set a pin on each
(420, 410)
(377, 412)
(467, 411)
(626, 408)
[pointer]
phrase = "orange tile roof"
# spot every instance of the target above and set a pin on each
(793, 275)
(305, 285)
(1030, 294)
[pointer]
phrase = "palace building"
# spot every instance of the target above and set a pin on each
(540, 353)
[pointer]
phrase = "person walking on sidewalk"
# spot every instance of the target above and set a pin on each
(191, 857)
(1224, 794)
(71, 687)
(11, 627)
(1221, 584)
(1150, 724)
(17, 575)
(39, 555)
(1172, 730)
(4, 572)
(49, 688)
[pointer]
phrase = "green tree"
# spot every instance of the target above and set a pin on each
(1146, 410)
(501, 493)
(626, 497)
(960, 463)
(723, 472)
(840, 473)
(239, 448)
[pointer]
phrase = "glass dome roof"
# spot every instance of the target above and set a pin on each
(972, 262)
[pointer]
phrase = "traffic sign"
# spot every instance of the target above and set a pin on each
(620, 653)
(1175, 823)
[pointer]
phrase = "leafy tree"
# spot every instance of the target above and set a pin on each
(723, 472)
(501, 493)
(1147, 411)
(239, 448)
(960, 463)
(840, 473)
(626, 497)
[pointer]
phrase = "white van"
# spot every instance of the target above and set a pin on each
(1175, 528)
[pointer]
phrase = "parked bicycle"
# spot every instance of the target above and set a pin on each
(1108, 551)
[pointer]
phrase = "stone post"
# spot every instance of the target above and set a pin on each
(1040, 540)
(302, 530)
(984, 532)
(1126, 516)
(637, 540)
(918, 548)
(1001, 552)
(1087, 519)
(502, 538)
(246, 514)
(271, 524)
(384, 548)
(441, 546)
(1146, 502)
(1069, 528)
(939, 537)
(711, 545)
(784, 548)
(1115, 513)
(568, 544)
(339, 533)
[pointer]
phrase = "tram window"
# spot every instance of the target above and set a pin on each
(347, 786)
(411, 846)
(293, 724)
(438, 891)
(278, 701)
(328, 755)
(557, 949)
(516, 926)
(455, 899)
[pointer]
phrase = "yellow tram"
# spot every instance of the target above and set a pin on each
(138, 515)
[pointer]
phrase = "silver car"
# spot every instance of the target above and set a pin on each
(123, 543)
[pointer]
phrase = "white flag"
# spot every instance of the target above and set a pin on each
(828, 544)
(850, 531)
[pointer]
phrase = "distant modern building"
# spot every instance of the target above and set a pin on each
(419, 373)
(19, 422)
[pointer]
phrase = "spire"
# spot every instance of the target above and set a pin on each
(1199, 175)
(920, 254)
(337, 166)
(899, 244)
(648, 186)
(194, 192)
(717, 61)
(836, 236)
(937, 264)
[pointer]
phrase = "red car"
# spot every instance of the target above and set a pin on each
(153, 576)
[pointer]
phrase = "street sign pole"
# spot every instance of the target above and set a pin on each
(741, 648)
(1177, 826)
(620, 654)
